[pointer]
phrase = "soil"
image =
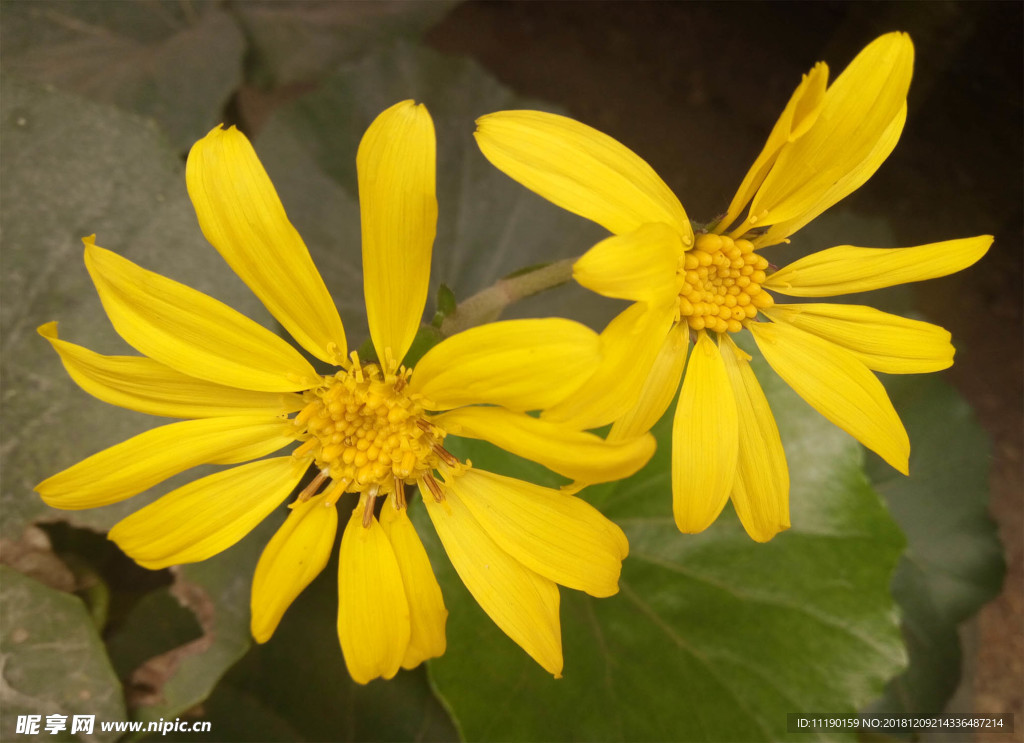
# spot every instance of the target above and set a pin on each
(695, 87)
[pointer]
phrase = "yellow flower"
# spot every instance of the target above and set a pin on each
(829, 140)
(367, 428)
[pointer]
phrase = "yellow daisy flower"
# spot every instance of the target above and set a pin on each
(367, 428)
(829, 140)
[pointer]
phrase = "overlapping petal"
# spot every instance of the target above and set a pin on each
(205, 517)
(882, 341)
(558, 536)
(838, 385)
(846, 269)
(580, 169)
(427, 614)
(142, 461)
(629, 346)
(575, 454)
(242, 217)
(842, 149)
(705, 439)
(293, 557)
(639, 265)
(398, 208)
(191, 332)
(522, 603)
(797, 117)
(658, 389)
(147, 386)
(373, 614)
(760, 491)
(520, 364)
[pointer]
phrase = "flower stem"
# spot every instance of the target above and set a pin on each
(487, 305)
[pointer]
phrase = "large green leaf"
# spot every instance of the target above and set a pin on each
(301, 41)
(177, 62)
(53, 661)
(954, 562)
(712, 637)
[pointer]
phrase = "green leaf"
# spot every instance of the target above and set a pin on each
(53, 662)
(176, 62)
(296, 686)
(300, 42)
(712, 636)
(954, 562)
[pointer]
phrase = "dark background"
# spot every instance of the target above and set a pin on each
(694, 88)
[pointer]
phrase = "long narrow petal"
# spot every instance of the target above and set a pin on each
(398, 207)
(659, 388)
(639, 265)
(143, 461)
(147, 386)
(242, 217)
(427, 615)
(846, 269)
(207, 516)
(845, 184)
(838, 386)
(580, 169)
(705, 440)
(575, 454)
(191, 332)
(294, 556)
(523, 604)
(796, 118)
(760, 492)
(558, 536)
(629, 347)
(373, 614)
(841, 150)
(882, 341)
(520, 364)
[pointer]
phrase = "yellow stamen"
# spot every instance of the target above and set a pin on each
(721, 284)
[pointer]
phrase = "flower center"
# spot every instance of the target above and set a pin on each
(721, 287)
(367, 434)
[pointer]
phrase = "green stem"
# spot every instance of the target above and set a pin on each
(487, 305)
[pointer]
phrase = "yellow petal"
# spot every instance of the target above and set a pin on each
(143, 461)
(398, 208)
(575, 454)
(841, 150)
(639, 265)
(659, 388)
(427, 614)
(373, 614)
(705, 440)
(838, 386)
(629, 346)
(242, 217)
(293, 557)
(797, 117)
(760, 492)
(520, 364)
(553, 534)
(845, 269)
(580, 169)
(883, 342)
(191, 332)
(205, 517)
(844, 185)
(147, 386)
(523, 604)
